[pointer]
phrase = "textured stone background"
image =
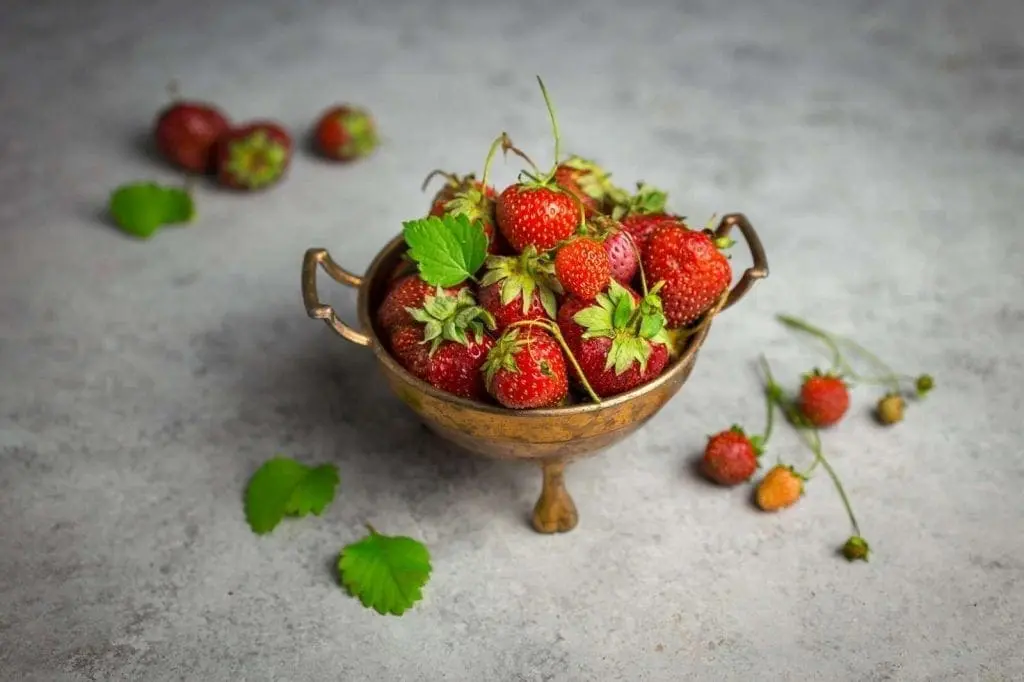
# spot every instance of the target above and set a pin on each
(879, 148)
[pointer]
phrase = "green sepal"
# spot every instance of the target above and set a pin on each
(524, 275)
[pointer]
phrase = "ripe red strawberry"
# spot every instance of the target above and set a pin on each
(516, 288)
(346, 133)
(619, 341)
(187, 132)
(694, 271)
(408, 292)
(824, 399)
(587, 181)
(640, 226)
(532, 214)
(526, 369)
(623, 255)
(730, 457)
(582, 267)
(539, 213)
(253, 156)
(449, 344)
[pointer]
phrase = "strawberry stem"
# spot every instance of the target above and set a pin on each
(554, 128)
(557, 333)
(450, 177)
(771, 390)
(499, 142)
(812, 438)
(507, 146)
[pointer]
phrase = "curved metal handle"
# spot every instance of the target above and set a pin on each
(322, 311)
(759, 270)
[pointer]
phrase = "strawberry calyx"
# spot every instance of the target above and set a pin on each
(646, 200)
(452, 318)
(524, 275)
(452, 180)
(362, 135)
(472, 199)
(856, 548)
(256, 160)
(592, 179)
(633, 327)
(503, 355)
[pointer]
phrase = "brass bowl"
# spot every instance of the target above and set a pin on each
(552, 436)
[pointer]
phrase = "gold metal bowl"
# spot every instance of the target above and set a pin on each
(551, 437)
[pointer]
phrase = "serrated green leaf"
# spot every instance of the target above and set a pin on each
(449, 250)
(386, 574)
(282, 486)
(314, 492)
(142, 208)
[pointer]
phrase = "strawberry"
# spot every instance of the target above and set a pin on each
(619, 340)
(345, 133)
(781, 487)
(406, 293)
(623, 255)
(538, 212)
(516, 288)
(526, 369)
(187, 132)
(452, 184)
(253, 156)
(889, 409)
(824, 398)
(730, 457)
(695, 273)
(582, 267)
(641, 225)
(449, 345)
(586, 181)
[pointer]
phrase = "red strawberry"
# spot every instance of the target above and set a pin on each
(538, 213)
(452, 184)
(253, 156)
(582, 267)
(623, 255)
(516, 288)
(694, 271)
(587, 181)
(640, 226)
(187, 132)
(526, 369)
(730, 457)
(346, 133)
(408, 292)
(824, 399)
(619, 341)
(449, 345)
(532, 214)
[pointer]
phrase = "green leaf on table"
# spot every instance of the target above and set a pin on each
(142, 208)
(448, 250)
(283, 487)
(386, 573)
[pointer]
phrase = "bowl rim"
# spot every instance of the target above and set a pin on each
(681, 364)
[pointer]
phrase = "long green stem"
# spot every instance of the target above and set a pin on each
(557, 333)
(837, 356)
(771, 389)
(554, 128)
(500, 141)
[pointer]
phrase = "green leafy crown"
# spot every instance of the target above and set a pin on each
(452, 318)
(525, 274)
(633, 328)
(647, 199)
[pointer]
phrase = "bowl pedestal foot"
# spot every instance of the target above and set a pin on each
(555, 512)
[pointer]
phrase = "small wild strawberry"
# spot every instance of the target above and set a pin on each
(781, 487)
(253, 156)
(345, 133)
(186, 134)
(526, 370)
(856, 549)
(890, 408)
(730, 457)
(582, 267)
(824, 399)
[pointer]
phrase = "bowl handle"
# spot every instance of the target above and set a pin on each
(759, 270)
(322, 311)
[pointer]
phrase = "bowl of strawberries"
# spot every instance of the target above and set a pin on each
(544, 322)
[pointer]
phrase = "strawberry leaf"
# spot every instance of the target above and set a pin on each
(142, 208)
(283, 487)
(448, 250)
(386, 574)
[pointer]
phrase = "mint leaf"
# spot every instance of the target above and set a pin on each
(449, 250)
(142, 208)
(283, 487)
(386, 574)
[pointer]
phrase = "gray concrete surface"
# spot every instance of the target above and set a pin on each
(879, 148)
